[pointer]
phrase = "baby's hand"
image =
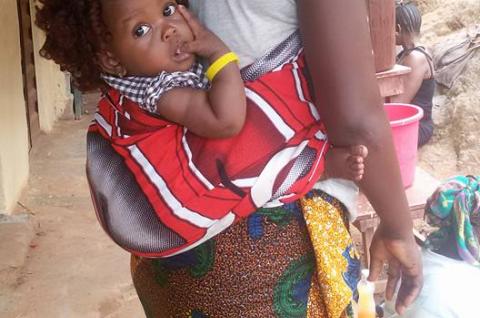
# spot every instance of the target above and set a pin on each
(205, 43)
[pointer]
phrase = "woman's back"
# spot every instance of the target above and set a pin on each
(420, 61)
(259, 26)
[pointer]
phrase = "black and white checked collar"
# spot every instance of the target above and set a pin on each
(146, 91)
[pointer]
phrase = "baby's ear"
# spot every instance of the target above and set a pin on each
(398, 29)
(110, 64)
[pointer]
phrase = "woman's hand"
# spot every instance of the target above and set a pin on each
(205, 43)
(339, 54)
(404, 263)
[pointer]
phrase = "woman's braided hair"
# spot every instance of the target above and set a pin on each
(408, 16)
(75, 33)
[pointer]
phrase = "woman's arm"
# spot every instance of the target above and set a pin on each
(340, 58)
(419, 67)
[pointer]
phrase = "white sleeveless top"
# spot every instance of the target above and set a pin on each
(250, 28)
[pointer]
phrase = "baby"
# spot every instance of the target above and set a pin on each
(141, 51)
(205, 150)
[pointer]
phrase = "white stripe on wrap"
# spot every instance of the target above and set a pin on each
(276, 120)
(301, 96)
(119, 132)
(103, 123)
(191, 165)
(320, 135)
(245, 183)
(277, 201)
(176, 207)
(212, 231)
(322, 153)
(262, 191)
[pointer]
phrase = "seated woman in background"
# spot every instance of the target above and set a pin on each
(419, 84)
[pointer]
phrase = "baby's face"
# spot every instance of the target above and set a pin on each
(147, 35)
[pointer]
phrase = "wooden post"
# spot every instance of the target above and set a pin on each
(382, 32)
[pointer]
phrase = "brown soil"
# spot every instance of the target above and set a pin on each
(455, 148)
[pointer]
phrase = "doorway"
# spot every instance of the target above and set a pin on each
(28, 69)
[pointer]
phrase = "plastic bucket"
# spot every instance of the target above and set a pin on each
(404, 120)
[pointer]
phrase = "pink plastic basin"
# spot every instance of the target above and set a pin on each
(404, 120)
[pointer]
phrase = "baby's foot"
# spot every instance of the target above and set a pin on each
(346, 163)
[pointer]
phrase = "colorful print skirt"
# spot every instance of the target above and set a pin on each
(266, 266)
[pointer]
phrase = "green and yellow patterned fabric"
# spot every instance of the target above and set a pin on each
(453, 208)
(263, 267)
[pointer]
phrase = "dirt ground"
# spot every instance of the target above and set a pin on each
(455, 147)
(60, 262)
(69, 268)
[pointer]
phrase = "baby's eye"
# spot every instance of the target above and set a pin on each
(141, 30)
(170, 9)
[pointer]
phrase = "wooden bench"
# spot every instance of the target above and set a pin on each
(423, 186)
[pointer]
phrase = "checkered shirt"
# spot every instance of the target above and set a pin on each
(146, 91)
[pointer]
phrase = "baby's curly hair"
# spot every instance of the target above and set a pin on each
(75, 32)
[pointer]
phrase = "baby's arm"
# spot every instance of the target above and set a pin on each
(219, 112)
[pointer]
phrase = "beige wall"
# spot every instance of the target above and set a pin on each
(13, 123)
(52, 85)
(53, 98)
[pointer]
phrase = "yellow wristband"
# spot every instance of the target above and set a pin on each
(219, 64)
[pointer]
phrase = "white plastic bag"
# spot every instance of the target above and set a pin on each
(451, 290)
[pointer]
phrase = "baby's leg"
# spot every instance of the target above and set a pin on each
(346, 163)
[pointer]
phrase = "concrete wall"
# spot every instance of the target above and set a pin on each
(13, 122)
(53, 98)
(52, 84)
